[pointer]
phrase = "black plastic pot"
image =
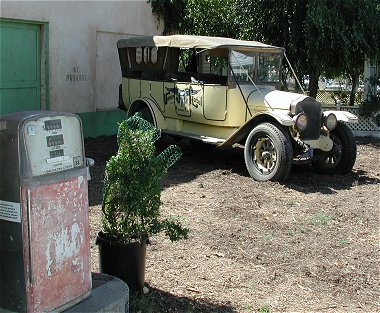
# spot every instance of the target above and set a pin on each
(125, 261)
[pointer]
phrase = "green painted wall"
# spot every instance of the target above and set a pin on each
(102, 123)
(20, 82)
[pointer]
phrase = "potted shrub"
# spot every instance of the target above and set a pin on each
(131, 201)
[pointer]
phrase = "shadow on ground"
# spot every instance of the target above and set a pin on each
(303, 178)
(160, 301)
(199, 158)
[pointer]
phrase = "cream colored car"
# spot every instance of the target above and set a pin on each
(224, 92)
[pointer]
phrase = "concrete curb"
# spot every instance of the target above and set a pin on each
(108, 294)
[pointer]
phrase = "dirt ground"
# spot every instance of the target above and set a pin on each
(311, 244)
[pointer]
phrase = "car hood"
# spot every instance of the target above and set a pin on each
(275, 99)
(282, 100)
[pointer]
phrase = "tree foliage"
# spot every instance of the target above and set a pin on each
(320, 36)
(340, 34)
(170, 11)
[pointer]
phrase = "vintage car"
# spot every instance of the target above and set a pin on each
(226, 92)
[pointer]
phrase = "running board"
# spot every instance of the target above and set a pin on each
(205, 139)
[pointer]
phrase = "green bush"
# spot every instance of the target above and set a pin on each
(133, 185)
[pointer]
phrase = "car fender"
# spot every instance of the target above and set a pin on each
(273, 116)
(281, 117)
(158, 118)
(343, 116)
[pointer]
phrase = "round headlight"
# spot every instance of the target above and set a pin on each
(300, 121)
(330, 121)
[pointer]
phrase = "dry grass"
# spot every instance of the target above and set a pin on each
(311, 244)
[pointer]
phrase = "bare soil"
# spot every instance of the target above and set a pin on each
(311, 244)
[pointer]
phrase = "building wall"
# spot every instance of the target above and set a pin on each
(83, 65)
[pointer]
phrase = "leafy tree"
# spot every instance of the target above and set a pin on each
(339, 35)
(320, 36)
(170, 11)
(210, 17)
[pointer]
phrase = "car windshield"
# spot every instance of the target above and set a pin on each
(251, 66)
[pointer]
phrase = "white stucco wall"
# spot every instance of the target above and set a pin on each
(84, 72)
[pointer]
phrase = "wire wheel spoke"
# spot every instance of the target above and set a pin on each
(264, 155)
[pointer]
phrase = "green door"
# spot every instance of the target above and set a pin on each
(20, 70)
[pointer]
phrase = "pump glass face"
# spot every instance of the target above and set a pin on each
(248, 66)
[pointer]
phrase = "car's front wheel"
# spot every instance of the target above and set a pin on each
(268, 153)
(341, 158)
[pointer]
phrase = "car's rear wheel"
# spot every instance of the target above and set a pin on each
(268, 153)
(144, 112)
(146, 115)
(341, 158)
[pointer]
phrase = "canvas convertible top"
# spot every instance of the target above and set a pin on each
(190, 41)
